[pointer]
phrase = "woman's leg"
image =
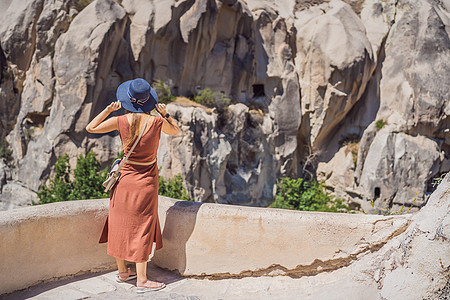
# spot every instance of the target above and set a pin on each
(141, 270)
(143, 284)
(121, 266)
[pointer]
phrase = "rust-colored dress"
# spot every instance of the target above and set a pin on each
(132, 225)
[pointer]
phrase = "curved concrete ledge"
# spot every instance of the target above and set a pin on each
(43, 242)
(39, 243)
(222, 241)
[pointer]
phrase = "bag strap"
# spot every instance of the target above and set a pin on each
(134, 145)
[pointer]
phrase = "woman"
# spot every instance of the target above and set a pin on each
(132, 226)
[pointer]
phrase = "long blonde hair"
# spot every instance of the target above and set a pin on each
(137, 121)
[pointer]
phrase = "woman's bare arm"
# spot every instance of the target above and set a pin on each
(169, 125)
(98, 126)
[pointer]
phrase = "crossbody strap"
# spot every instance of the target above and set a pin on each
(134, 145)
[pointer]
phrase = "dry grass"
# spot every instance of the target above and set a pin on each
(183, 101)
(352, 147)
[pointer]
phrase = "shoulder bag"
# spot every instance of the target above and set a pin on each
(114, 173)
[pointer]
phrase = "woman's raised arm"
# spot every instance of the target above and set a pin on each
(98, 126)
(169, 125)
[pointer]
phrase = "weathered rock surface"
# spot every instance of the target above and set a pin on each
(15, 195)
(334, 62)
(308, 82)
(413, 103)
(415, 264)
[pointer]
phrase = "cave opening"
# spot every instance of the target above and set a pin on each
(258, 90)
(377, 193)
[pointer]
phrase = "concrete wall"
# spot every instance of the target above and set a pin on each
(53, 240)
(48, 241)
(236, 241)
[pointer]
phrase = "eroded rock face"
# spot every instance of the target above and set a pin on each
(415, 263)
(392, 154)
(308, 82)
(62, 84)
(413, 105)
(334, 62)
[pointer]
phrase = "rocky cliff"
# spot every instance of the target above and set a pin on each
(352, 91)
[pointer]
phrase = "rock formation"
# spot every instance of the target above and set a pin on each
(353, 92)
(412, 265)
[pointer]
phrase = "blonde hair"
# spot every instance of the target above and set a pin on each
(137, 122)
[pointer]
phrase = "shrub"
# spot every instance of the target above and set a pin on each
(81, 4)
(173, 188)
(60, 185)
(88, 178)
(211, 98)
(87, 182)
(380, 124)
(5, 151)
(299, 194)
(163, 92)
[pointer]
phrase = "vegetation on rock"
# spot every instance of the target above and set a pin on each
(5, 151)
(299, 194)
(379, 124)
(163, 91)
(437, 180)
(173, 188)
(212, 98)
(86, 184)
(81, 4)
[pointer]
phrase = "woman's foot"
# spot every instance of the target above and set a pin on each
(126, 276)
(149, 286)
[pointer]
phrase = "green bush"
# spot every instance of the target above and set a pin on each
(299, 194)
(173, 188)
(60, 186)
(163, 92)
(380, 124)
(211, 98)
(88, 178)
(87, 182)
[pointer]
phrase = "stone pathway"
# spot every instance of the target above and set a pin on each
(103, 286)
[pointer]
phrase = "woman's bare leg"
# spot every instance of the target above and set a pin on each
(141, 270)
(142, 281)
(121, 266)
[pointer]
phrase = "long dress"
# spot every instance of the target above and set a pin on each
(132, 225)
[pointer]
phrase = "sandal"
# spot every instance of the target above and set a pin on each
(126, 276)
(147, 286)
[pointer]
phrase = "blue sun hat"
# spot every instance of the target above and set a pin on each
(137, 96)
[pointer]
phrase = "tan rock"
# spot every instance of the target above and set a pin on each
(338, 172)
(334, 62)
(80, 61)
(390, 155)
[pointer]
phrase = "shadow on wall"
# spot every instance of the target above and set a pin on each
(179, 223)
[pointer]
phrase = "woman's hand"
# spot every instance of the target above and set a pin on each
(161, 108)
(116, 105)
(98, 126)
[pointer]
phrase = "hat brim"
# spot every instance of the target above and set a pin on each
(122, 96)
